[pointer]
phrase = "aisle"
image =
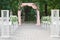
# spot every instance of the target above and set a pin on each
(31, 32)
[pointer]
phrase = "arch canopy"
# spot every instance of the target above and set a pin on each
(29, 4)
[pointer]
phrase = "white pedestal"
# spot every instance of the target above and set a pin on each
(54, 30)
(5, 32)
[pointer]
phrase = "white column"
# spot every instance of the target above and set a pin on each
(5, 30)
(54, 23)
(19, 17)
(38, 18)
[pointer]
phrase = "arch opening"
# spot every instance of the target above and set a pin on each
(28, 15)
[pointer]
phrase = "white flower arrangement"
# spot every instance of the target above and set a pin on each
(46, 19)
(13, 18)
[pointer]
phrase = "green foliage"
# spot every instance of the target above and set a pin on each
(29, 13)
(46, 19)
(14, 4)
(13, 19)
(53, 4)
(33, 15)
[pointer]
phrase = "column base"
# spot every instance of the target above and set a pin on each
(19, 23)
(5, 36)
(37, 23)
(54, 36)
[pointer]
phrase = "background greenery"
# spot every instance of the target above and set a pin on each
(45, 6)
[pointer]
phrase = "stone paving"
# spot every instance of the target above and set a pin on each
(31, 32)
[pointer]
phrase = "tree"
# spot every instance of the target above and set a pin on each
(44, 5)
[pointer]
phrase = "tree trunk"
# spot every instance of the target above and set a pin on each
(46, 10)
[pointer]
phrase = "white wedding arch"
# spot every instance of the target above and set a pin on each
(34, 7)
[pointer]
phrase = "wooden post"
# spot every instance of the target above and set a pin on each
(38, 18)
(19, 17)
